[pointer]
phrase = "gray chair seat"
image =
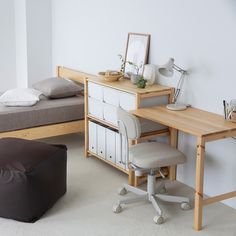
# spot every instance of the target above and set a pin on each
(156, 155)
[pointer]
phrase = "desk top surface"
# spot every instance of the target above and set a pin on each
(192, 121)
(127, 86)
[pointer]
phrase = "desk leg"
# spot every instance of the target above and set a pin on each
(132, 180)
(86, 131)
(199, 184)
(173, 139)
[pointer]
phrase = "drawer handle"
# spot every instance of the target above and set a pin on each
(110, 156)
(101, 152)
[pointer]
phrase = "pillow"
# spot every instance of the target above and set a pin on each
(57, 87)
(22, 97)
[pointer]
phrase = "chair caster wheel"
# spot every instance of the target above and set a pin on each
(158, 220)
(185, 206)
(117, 208)
(122, 191)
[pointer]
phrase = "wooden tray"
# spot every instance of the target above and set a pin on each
(111, 76)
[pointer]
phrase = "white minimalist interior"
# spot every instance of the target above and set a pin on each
(86, 208)
(36, 36)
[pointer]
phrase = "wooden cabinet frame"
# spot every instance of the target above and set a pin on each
(140, 94)
(51, 130)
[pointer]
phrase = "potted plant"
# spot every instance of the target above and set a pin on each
(135, 77)
(141, 82)
(123, 63)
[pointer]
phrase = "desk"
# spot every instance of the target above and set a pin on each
(206, 127)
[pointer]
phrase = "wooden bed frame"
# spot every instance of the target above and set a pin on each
(46, 131)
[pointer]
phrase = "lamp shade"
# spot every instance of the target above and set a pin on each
(167, 69)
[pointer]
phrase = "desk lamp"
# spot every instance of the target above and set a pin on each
(168, 71)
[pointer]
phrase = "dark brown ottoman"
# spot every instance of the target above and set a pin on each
(32, 178)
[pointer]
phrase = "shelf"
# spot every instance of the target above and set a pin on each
(163, 132)
(127, 86)
(109, 162)
(102, 122)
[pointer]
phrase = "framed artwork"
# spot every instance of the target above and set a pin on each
(137, 51)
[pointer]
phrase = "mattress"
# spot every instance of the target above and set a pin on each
(45, 112)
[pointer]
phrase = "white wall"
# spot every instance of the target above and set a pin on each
(7, 45)
(25, 42)
(199, 34)
(39, 39)
(21, 43)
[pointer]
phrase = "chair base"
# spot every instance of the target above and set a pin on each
(152, 195)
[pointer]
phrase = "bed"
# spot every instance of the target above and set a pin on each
(48, 118)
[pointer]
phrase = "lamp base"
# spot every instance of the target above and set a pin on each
(176, 107)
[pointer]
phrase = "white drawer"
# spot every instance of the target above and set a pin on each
(127, 101)
(95, 91)
(101, 141)
(110, 145)
(92, 137)
(111, 96)
(110, 113)
(95, 108)
(120, 161)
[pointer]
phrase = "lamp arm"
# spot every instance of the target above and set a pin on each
(179, 69)
(178, 88)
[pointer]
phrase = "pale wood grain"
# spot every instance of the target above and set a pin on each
(127, 86)
(54, 129)
(199, 184)
(46, 130)
(218, 198)
(206, 126)
(192, 121)
(75, 75)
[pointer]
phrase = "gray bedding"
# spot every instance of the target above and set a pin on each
(45, 112)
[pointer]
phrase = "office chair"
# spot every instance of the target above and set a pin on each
(148, 158)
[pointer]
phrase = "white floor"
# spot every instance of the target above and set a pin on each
(86, 207)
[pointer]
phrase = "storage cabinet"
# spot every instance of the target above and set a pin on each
(95, 108)
(127, 101)
(92, 137)
(121, 161)
(95, 91)
(110, 145)
(101, 141)
(111, 96)
(109, 113)
(101, 101)
(105, 142)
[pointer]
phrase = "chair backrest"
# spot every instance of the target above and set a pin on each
(128, 124)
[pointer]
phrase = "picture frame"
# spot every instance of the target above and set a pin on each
(137, 51)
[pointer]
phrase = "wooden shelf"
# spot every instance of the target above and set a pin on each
(108, 162)
(163, 132)
(125, 86)
(102, 122)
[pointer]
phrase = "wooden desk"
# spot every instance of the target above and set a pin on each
(206, 127)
